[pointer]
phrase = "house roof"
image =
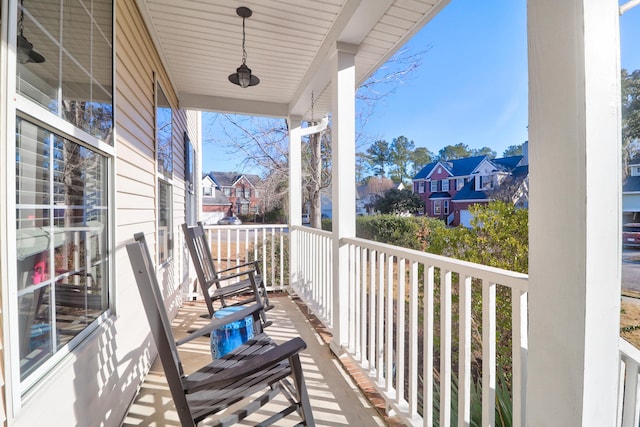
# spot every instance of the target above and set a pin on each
(228, 179)
(440, 195)
(469, 192)
(508, 163)
(466, 165)
(218, 199)
(631, 184)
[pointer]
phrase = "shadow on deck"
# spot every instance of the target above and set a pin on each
(335, 398)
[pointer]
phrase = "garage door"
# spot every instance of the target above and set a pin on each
(465, 218)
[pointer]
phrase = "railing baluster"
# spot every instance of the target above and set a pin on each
(488, 354)
(413, 340)
(363, 308)
(427, 369)
(400, 330)
(372, 310)
(445, 346)
(519, 357)
(380, 322)
(388, 345)
(464, 358)
(355, 319)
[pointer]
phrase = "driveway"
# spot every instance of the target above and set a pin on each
(631, 269)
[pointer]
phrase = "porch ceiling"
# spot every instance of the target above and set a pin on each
(289, 46)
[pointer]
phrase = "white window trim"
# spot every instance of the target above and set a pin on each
(445, 183)
(432, 184)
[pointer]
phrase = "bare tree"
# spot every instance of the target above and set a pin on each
(264, 142)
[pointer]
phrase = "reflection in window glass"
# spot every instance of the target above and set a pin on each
(165, 248)
(76, 79)
(163, 134)
(62, 264)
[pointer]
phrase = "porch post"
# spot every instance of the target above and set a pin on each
(295, 195)
(574, 212)
(343, 183)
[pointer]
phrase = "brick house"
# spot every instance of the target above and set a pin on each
(448, 188)
(241, 190)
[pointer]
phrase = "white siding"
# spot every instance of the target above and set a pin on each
(94, 385)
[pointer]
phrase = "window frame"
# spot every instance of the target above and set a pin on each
(445, 185)
(433, 186)
(29, 110)
(163, 179)
(437, 207)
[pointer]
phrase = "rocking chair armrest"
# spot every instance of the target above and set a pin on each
(256, 267)
(217, 323)
(258, 363)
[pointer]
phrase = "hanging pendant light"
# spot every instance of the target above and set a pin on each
(243, 77)
(26, 54)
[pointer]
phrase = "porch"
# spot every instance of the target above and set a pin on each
(336, 399)
(449, 344)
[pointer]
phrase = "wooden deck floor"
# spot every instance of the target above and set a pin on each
(335, 399)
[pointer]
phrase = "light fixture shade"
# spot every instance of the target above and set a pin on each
(243, 77)
(26, 54)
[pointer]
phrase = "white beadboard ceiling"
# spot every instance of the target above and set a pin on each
(289, 46)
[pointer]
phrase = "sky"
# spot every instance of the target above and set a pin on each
(471, 87)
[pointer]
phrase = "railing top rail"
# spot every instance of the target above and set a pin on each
(312, 230)
(503, 277)
(628, 351)
(245, 226)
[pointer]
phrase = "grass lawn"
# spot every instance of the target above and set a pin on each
(630, 321)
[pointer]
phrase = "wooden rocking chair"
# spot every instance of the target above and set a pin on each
(241, 279)
(257, 366)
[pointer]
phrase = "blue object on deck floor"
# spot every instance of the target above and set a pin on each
(232, 335)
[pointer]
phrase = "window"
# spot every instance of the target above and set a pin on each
(459, 183)
(62, 254)
(421, 186)
(61, 221)
(437, 205)
(164, 131)
(239, 192)
(207, 191)
(227, 191)
(434, 186)
(191, 208)
(164, 160)
(446, 207)
(165, 223)
(76, 80)
(445, 185)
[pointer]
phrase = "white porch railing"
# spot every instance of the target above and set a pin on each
(427, 316)
(628, 396)
(314, 278)
(436, 315)
(236, 244)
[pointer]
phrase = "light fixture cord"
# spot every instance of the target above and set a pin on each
(244, 51)
(21, 20)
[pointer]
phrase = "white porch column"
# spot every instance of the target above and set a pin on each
(343, 182)
(574, 212)
(295, 194)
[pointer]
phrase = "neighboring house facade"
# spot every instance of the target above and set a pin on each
(449, 188)
(215, 205)
(241, 190)
(631, 192)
